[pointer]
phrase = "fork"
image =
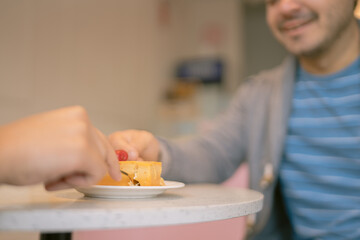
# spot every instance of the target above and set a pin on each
(134, 182)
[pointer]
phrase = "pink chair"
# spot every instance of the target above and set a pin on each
(231, 229)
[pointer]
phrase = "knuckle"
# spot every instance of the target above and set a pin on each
(79, 112)
(113, 136)
(147, 135)
(116, 138)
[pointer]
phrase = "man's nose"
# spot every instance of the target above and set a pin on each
(288, 6)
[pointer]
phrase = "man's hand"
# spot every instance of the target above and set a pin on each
(140, 145)
(60, 148)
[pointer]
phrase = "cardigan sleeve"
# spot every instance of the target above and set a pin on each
(212, 156)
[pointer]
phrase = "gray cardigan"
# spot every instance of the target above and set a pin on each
(253, 130)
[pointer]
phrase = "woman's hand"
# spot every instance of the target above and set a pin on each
(140, 145)
(60, 148)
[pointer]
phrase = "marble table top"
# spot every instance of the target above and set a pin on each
(34, 209)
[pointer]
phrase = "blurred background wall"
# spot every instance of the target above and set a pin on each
(105, 55)
(261, 50)
(118, 58)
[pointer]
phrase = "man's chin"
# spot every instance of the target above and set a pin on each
(304, 49)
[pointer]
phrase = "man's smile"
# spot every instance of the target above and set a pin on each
(296, 26)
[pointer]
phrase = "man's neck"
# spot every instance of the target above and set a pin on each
(340, 54)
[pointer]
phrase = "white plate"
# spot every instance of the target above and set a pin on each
(100, 191)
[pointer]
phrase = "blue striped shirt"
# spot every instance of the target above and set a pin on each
(320, 172)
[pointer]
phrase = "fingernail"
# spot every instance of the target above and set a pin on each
(122, 155)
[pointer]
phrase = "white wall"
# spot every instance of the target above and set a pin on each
(112, 56)
(104, 55)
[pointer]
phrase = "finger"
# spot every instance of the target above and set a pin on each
(94, 168)
(56, 185)
(122, 140)
(100, 158)
(80, 180)
(121, 155)
(146, 144)
(143, 143)
(110, 158)
(75, 180)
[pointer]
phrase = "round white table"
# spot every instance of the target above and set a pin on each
(57, 214)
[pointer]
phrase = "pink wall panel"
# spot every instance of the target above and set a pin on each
(227, 229)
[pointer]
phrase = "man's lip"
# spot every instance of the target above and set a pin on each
(295, 24)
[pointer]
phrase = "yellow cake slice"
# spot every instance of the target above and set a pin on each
(144, 174)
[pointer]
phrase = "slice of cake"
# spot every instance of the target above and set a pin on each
(139, 174)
